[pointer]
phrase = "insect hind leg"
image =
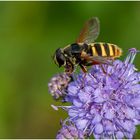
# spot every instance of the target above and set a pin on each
(85, 73)
(103, 69)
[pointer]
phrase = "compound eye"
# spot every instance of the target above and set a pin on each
(59, 57)
(61, 60)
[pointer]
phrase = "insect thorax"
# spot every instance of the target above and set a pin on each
(72, 52)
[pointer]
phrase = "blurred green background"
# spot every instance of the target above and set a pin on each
(30, 32)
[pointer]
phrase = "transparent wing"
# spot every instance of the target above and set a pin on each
(96, 59)
(90, 31)
(102, 60)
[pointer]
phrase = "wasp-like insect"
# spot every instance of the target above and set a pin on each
(86, 52)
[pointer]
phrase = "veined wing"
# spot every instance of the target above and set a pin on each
(90, 31)
(96, 59)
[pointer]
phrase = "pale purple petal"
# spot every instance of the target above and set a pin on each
(84, 96)
(119, 135)
(130, 113)
(135, 102)
(77, 103)
(81, 123)
(98, 128)
(96, 119)
(72, 112)
(73, 90)
(109, 114)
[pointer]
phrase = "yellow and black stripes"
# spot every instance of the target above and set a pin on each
(104, 49)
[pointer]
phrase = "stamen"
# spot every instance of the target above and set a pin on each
(92, 129)
(131, 56)
(63, 107)
(113, 136)
(54, 107)
(65, 121)
(86, 127)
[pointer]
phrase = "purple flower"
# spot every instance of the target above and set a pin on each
(106, 104)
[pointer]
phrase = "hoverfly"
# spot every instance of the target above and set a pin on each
(86, 52)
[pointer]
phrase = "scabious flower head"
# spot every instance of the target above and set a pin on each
(106, 103)
(58, 85)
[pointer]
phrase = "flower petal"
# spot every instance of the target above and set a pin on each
(81, 123)
(119, 135)
(135, 102)
(130, 113)
(98, 128)
(96, 119)
(77, 103)
(84, 96)
(109, 114)
(72, 89)
(72, 112)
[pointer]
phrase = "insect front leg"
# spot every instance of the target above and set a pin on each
(84, 69)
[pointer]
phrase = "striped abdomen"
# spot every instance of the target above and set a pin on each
(105, 50)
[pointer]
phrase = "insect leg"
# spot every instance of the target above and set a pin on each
(103, 69)
(83, 68)
(85, 72)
